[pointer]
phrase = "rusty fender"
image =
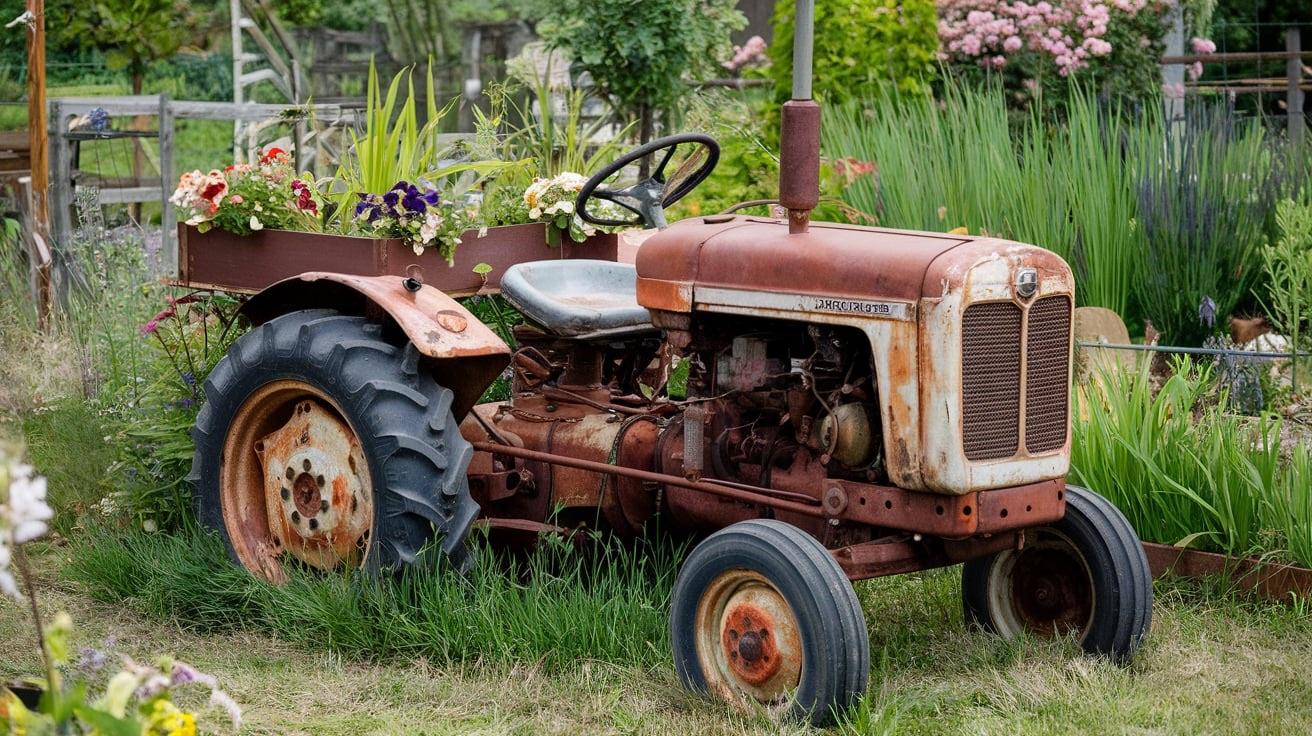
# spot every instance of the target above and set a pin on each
(461, 352)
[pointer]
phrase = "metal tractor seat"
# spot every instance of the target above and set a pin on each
(578, 298)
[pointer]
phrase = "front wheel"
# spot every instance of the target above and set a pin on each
(762, 611)
(1087, 574)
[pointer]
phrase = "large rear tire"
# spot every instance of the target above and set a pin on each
(1086, 574)
(324, 443)
(762, 611)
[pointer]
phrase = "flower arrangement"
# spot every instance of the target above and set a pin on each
(244, 198)
(137, 699)
(419, 216)
(553, 200)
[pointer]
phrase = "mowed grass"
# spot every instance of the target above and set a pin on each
(1215, 663)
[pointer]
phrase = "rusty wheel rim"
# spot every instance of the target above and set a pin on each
(295, 483)
(748, 639)
(1045, 588)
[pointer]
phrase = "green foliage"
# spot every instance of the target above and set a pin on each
(1288, 268)
(132, 33)
(863, 48)
(396, 147)
(69, 441)
(749, 165)
(562, 604)
(1185, 471)
(641, 53)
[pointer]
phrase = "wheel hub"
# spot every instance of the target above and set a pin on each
(317, 497)
(749, 645)
(748, 638)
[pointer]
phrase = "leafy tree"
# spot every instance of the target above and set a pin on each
(133, 33)
(641, 53)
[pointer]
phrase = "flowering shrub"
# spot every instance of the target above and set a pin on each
(137, 699)
(552, 201)
(751, 53)
(244, 198)
(1031, 45)
(419, 216)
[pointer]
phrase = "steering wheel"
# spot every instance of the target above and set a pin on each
(648, 198)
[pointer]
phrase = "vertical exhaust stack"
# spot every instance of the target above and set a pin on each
(799, 135)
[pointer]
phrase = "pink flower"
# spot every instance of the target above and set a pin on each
(1202, 46)
(1173, 91)
(1012, 44)
(236, 199)
(1195, 71)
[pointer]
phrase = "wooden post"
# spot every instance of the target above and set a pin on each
(37, 137)
(168, 245)
(1294, 90)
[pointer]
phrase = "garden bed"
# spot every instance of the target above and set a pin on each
(1271, 580)
(247, 264)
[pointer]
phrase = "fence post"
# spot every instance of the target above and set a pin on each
(1173, 74)
(168, 244)
(1294, 90)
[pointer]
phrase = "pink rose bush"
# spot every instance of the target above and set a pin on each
(1114, 41)
(749, 54)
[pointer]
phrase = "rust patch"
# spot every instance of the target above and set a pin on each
(452, 321)
(749, 637)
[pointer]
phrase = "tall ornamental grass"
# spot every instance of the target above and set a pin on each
(1184, 471)
(1153, 218)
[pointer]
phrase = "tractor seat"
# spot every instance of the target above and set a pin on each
(578, 298)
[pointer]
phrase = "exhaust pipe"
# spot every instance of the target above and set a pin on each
(799, 134)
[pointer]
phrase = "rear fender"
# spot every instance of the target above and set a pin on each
(462, 353)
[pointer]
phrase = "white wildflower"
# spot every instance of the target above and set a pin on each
(220, 699)
(149, 526)
(256, 224)
(26, 511)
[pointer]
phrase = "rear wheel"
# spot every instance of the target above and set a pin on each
(762, 611)
(324, 444)
(1086, 574)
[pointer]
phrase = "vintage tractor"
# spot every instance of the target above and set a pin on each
(858, 402)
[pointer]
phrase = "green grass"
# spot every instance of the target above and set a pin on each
(557, 606)
(1213, 664)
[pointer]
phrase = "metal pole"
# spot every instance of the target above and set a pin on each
(1294, 90)
(234, 8)
(799, 130)
(803, 49)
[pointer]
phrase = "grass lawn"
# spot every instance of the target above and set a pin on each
(1213, 664)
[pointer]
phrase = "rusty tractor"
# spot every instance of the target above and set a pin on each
(858, 402)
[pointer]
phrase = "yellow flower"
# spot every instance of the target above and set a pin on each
(167, 720)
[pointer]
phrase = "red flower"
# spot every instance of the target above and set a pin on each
(214, 190)
(272, 155)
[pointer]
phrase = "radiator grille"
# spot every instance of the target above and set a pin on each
(990, 380)
(991, 364)
(1047, 374)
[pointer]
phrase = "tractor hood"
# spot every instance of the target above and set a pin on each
(847, 263)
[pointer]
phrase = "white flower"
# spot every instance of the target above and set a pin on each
(535, 213)
(256, 224)
(150, 526)
(419, 249)
(8, 585)
(26, 512)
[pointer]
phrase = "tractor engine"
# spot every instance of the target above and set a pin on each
(782, 406)
(764, 404)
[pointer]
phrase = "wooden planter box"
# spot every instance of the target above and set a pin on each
(1271, 580)
(247, 264)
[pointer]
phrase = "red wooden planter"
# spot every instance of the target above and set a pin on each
(1270, 580)
(247, 264)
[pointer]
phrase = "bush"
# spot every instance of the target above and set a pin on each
(863, 48)
(1034, 48)
(640, 54)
